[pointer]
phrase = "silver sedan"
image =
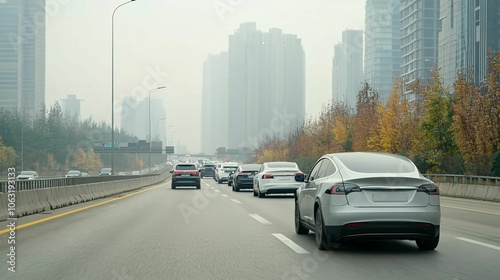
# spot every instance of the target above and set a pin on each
(276, 178)
(351, 196)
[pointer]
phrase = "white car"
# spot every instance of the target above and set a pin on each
(27, 175)
(276, 177)
(223, 170)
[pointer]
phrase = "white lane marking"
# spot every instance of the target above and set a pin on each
(479, 243)
(236, 201)
(292, 245)
(260, 219)
(216, 191)
(225, 195)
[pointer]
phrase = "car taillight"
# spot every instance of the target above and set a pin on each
(175, 173)
(267, 176)
(203, 169)
(343, 189)
(195, 173)
(430, 189)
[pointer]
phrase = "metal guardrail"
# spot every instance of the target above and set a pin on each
(464, 179)
(22, 185)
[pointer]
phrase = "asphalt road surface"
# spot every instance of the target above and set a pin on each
(214, 233)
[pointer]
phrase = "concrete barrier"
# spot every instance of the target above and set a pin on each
(36, 201)
(4, 207)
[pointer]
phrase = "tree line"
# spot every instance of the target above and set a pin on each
(455, 133)
(52, 143)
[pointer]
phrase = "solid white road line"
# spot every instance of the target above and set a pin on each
(292, 245)
(260, 219)
(236, 201)
(479, 243)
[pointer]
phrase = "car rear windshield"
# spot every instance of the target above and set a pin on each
(376, 163)
(209, 165)
(230, 168)
(186, 167)
(288, 165)
(250, 167)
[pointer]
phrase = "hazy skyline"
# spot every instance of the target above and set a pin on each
(166, 42)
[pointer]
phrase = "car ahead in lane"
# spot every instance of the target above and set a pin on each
(207, 170)
(136, 172)
(185, 174)
(74, 173)
(27, 175)
(242, 178)
(276, 178)
(352, 196)
(223, 170)
(106, 171)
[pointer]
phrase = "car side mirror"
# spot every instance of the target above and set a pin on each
(171, 171)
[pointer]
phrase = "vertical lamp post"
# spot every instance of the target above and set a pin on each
(157, 133)
(151, 138)
(113, 85)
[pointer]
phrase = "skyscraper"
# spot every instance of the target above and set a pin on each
(420, 27)
(382, 44)
(71, 107)
(214, 103)
(469, 30)
(135, 117)
(266, 85)
(22, 55)
(347, 69)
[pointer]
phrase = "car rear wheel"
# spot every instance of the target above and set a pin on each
(428, 244)
(321, 241)
(254, 192)
(173, 187)
(299, 227)
(261, 195)
(229, 183)
(198, 186)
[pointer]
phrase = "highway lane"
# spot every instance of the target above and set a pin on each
(214, 233)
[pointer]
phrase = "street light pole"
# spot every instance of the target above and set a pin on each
(113, 85)
(150, 136)
(157, 133)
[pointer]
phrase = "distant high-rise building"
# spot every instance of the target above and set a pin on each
(214, 103)
(71, 107)
(347, 69)
(135, 117)
(420, 27)
(382, 45)
(469, 30)
(22, 55)
(266, 81)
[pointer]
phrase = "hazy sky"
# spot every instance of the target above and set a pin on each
(165, 42)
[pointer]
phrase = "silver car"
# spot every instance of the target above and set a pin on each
(276, 178)
(351, 196)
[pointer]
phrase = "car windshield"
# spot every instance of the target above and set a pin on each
(186, 167)
(27, 173)
(376, 163)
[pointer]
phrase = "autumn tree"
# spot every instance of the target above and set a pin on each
(7, 156)
(435, 141)
(366, 118)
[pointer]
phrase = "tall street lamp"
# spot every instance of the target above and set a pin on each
(113, 85)
(157, 121)
(151, 138)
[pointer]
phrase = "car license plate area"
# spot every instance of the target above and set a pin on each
(185, 175)
(283, 178)
(390, 197)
